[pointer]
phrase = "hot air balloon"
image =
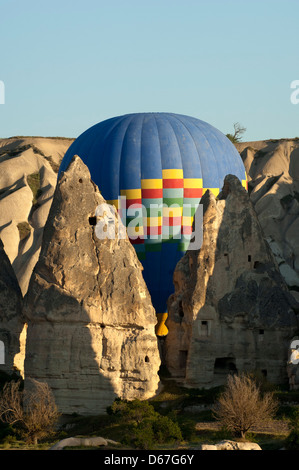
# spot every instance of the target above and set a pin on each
(159, 163)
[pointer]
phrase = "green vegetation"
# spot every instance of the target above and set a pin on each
(292, 441)
(18, 150)
(24, 230)
(34, 184)
(176, 418)
(144, 427)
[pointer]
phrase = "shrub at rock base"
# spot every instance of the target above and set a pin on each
(292, 441)
(145, 427)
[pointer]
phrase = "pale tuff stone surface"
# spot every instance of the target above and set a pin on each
(82, 441)
(231, 310)
(91, 323)
(11, 319)
(272, 167)
(28, 176)
(231, 445)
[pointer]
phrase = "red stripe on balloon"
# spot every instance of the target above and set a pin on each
(193, 192)
(173, 183)
(153, 230)
(186, 230)
(152, 193)
(172, 221)
(137, 203)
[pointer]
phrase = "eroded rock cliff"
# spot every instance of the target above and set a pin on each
(272, 167)
(28, 175)
(11, 318)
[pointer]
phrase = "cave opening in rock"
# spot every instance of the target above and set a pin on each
(181, 311)
(225, 365)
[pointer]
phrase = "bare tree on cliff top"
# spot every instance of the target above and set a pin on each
(239, 130)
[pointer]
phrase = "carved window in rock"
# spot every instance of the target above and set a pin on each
(104, 347)
(2, 353)
(204, 328)
(92, 221)
(261, 335)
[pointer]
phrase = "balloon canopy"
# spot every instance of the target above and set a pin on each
(153, 166)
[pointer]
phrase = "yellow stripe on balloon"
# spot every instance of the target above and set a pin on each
(135, 231)
(192, 183)
(152, 184)
(187, 221)
(172, 174)
(215, 191)
(114, 202)
(153, 221)
(131, 193)
(172, 211)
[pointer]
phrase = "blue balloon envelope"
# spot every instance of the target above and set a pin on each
(155, 167)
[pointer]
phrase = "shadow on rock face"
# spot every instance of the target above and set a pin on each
(231, 310)
(90, 318)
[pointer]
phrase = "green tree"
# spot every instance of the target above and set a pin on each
(144, 427)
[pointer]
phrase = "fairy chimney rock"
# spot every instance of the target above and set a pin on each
(91, 323)
(231, 310)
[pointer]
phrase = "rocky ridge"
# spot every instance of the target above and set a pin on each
(28, 175)
(272, 167)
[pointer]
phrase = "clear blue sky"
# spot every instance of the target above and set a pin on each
(68, 64)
